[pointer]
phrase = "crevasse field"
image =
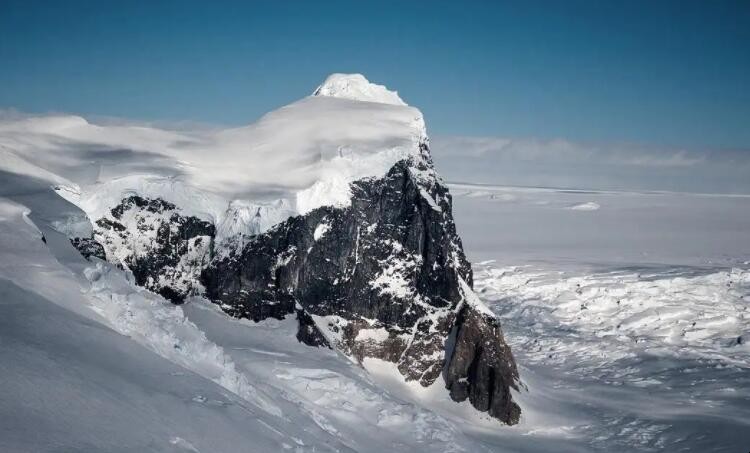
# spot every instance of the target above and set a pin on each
(627, 312)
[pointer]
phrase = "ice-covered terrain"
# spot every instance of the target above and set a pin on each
(590, 228)
(630, 321)
(627, 312)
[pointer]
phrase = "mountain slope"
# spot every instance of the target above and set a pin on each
(326, 213)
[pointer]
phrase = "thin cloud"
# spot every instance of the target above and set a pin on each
(530, 149)
(566, 163)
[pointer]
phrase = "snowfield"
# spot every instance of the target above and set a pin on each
(628, 313)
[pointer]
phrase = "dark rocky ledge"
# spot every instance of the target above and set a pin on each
(481, 366)
(88, 247)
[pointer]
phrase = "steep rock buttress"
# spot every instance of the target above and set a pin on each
(384, 278)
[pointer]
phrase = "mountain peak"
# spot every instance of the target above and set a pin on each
(357, 88)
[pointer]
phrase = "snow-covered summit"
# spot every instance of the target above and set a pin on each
(301, 156)
(357, 88)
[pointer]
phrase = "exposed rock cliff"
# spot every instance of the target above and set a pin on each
(480, 366)
(386, 278)
(88, 247)
(165, 250)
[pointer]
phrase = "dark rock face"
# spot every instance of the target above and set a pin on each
(481, 367)
(383, 278)
(88, 247)
(164, 249)
(381, 275)
(308, 332)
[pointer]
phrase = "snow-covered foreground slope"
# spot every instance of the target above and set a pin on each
(630, 322)
(70, 384)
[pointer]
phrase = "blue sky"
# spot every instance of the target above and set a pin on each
(660, 73)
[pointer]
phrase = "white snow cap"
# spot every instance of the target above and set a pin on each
(357, 88)
(292, 160)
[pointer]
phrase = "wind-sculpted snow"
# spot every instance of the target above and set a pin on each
(303, 155)
(704, 314)
(647, 359)
(356, 87)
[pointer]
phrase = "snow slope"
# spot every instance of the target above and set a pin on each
(70, 384)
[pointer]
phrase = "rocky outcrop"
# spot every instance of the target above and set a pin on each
(380, 277)
(164, 249)
(308, 332)
(480, 366)
(384, 277)
(88, 247)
